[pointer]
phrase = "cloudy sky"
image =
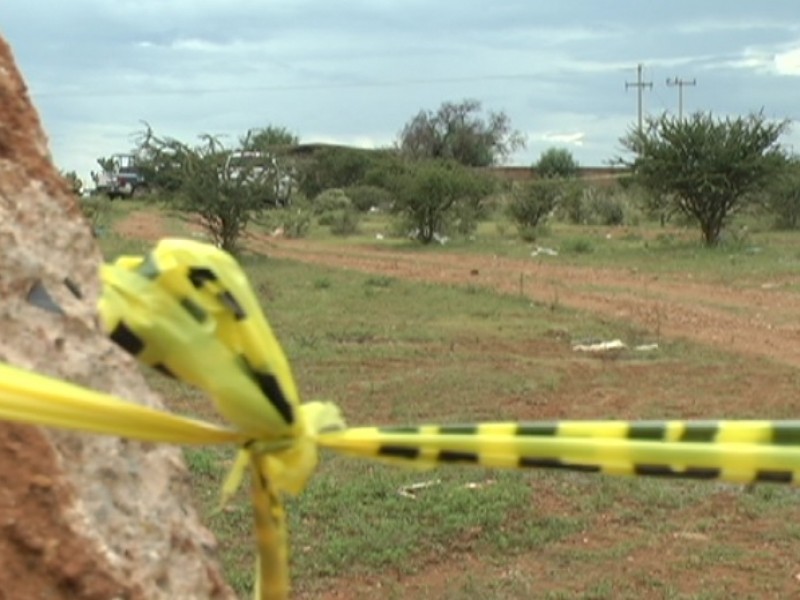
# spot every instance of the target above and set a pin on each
(354, 72)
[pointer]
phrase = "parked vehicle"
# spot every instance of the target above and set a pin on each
(259, 167)
(120, 177)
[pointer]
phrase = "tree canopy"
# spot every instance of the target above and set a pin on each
(268, 137)
(704, 166)
(556, 162)
(224, 198)
(429, 195)
(458, 131)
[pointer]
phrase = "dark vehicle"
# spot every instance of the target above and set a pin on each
(120, 178)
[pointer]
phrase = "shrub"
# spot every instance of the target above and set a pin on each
(783, 197)
(295, 222)
(578, 246)
(364, 197)
(343, 222)
(556, 162)
(331, 200)
(572, 206)
(531, 204)
(96, 209)
(603, 207)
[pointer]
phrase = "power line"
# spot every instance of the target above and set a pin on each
(639, 85)
(680, 83)
(280, 88)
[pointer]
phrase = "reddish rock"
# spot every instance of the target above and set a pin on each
(81, 516)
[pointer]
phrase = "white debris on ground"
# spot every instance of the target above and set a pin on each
(476, 485)
(612, 345)
(411, 491)
(600, 346)
(542, 251)
(646, 347)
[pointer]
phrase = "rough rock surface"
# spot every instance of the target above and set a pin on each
(80, 516)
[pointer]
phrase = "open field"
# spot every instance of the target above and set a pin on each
(397, 334)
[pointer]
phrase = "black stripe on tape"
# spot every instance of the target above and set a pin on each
(398, 451)
(232, 304)
(126, 339)
(194, 309)
(668, 472)
(537, 429)
(200, 275)
(647, 430)
(530, 462)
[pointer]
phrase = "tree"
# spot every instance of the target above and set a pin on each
(267, 138)
(458, 132)
(335, 167)
(224, 199)
(428, 194)
(706, 166)
(73, 181)
(556, 162)
(270, 146)
(531, 204)
(782, 196)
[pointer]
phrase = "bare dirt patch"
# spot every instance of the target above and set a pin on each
(751, 321)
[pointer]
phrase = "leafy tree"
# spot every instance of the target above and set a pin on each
(531, 204)
(782, 196)
(429, 193)
(365, 197)
(269, 137)
(556, 162)
(272, 145)
(73, 181)
(457, 131)
(335, 167)
(706, 166)
(106, 163)
(225, 200)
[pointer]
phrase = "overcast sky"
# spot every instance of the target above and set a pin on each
(356, 72)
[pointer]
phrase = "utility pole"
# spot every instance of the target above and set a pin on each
(680, 83)
(640, 85)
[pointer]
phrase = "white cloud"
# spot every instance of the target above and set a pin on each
(574, 139)
(357, 141)
(772, 60)
(788, 63)
(353, 73)
(721, 25)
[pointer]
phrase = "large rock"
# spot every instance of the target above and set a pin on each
(80, 516)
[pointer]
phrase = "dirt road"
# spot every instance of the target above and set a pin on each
(761, 319)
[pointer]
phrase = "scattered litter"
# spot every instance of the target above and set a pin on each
(278, 232)
(476, 485)
(441, 239)
(600, 346)
(541, 250)
(646, 347)
(690, 535)
(378, 236)
(410, 491)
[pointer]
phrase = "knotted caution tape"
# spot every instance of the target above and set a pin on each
(187, 310)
